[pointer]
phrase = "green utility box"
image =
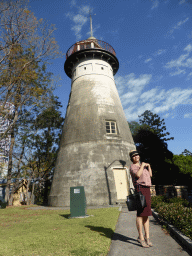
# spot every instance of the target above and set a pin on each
(77, 202)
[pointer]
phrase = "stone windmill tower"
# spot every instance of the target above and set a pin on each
(96, 139)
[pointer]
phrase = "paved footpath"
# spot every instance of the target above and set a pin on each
(124, 241)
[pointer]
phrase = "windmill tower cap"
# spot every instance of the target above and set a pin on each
(93, 48)
(92, 37)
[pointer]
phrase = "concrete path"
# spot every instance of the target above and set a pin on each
(124, 241)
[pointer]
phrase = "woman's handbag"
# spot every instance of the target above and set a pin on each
(135, 201)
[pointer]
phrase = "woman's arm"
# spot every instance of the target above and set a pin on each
(150, 170)
(139, 173)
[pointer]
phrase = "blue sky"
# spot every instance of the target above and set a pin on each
(153, 43)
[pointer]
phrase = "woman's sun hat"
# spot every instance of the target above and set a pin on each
(133, 153)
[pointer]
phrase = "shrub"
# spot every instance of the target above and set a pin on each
(176, 211)
(177, 215)
(184, 202)
(156, 200)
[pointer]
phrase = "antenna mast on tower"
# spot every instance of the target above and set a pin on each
(91, 27)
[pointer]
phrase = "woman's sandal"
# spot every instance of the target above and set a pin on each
(148, 242)
(142, 242)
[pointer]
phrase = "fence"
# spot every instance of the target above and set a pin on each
(170, 191)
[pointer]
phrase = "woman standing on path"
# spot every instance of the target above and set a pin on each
(141, 175)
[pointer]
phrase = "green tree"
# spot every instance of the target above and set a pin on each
(184, 163)
(155, 124)
(187, 153)
(43, 141)
(134, 127)
(26, 46)
(28, 94)
(36, 146)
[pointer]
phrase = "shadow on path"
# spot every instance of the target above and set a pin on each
(108, 232)
(155, 222)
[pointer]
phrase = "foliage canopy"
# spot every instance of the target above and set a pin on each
(26, 47)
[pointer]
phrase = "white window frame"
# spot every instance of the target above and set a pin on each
(110, 126)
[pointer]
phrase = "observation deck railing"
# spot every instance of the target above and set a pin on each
(90, 44)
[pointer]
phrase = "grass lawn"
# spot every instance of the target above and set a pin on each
(50, 232)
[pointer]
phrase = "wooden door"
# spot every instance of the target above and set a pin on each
(121, 181)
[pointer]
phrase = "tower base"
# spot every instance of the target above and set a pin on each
(92, 165)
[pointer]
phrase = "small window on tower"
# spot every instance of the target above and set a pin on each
(111, 127)
(102, 68)
(88, 46)
(85, 68)
(81, 46)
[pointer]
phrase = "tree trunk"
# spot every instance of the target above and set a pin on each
(46, 190)
(32, 193)
(17, 183)
(10, 164)
(28, 198)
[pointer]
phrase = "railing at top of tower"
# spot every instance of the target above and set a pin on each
(90, 44)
